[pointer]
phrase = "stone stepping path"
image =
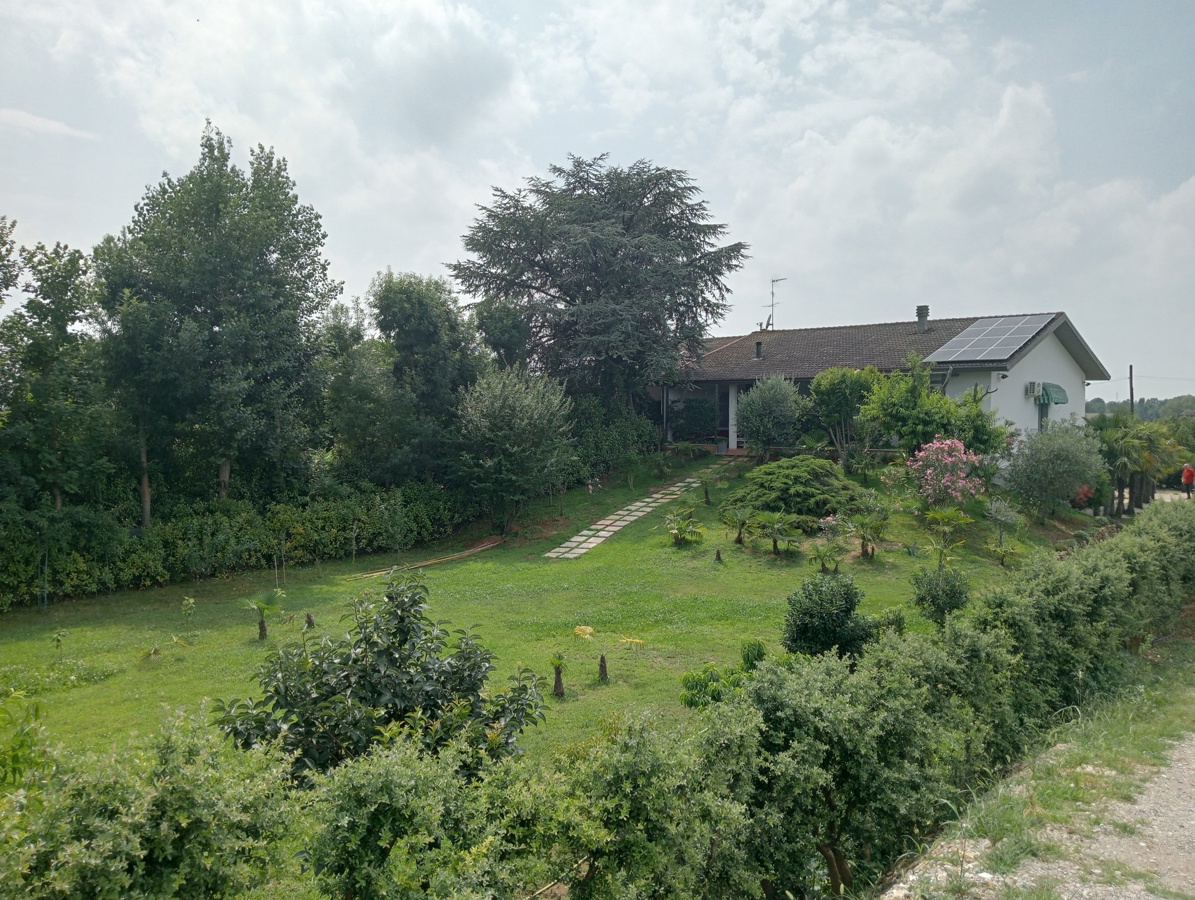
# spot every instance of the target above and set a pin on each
(587, 539)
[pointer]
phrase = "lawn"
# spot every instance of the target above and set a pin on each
(120, 662)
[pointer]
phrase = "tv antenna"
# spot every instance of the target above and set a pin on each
(772, 305)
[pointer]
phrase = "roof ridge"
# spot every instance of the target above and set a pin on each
(730, 339)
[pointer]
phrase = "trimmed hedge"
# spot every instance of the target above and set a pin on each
(79, 551)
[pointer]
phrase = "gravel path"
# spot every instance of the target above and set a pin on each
(1143, 849)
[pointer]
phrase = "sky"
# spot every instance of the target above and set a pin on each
(983, 158)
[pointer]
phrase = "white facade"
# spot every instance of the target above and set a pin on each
(1049, 362)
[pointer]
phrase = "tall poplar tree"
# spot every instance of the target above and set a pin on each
(212, 294)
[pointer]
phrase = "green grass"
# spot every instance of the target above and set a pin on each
(686, 608)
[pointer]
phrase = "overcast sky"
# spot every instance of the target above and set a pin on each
(980, 157)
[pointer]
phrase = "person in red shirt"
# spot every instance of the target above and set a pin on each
(1188, 478)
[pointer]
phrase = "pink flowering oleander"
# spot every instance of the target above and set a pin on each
(944, 471)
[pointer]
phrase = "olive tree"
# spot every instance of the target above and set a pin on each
(1049, 465)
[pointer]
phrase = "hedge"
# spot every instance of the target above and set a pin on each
(77, 551)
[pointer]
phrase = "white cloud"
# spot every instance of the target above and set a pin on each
(27, 123)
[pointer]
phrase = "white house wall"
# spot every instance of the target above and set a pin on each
(1048, 361)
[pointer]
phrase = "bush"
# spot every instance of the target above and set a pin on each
(821, 617)
(395, 669)
(1048, 466)
(605, 437)
(772, 414)
(939, 592)
(184, 815)
(945, 472)
(801, 486)
(84, 551)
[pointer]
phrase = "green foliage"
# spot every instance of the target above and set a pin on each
(822, 616)
(803, 486)
(903, 405)
(683, 527)
(329, 701)
(211, 296)
(1049, 465)
(20, 739)
(838, 394)
(400, 823)
(772, 414)
(183, 816)
(85, 551)
(606, 436)
(516, 442)
(713, 683)
(939, 592)
(616, 271)
(777, 527)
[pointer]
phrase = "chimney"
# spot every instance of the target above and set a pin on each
(759, 349)
(922, 319)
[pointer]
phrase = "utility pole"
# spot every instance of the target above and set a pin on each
(772, 314)
(1132, 401)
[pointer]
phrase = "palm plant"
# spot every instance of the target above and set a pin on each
(825, 554)
(556, 661)
(737, 519)
(775, 526)
(683, 527)
(264, 606)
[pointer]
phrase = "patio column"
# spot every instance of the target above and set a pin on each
(732, 427)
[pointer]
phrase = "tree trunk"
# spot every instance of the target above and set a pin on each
(56, 493)
(262, 631)
(1119, 511)
(222, 479)
(775, 547)
(603, 672)
(558, 686)
(831, 859)
(143, 450)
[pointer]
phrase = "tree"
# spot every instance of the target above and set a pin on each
(1049, 465)
(330, 702)
(772, 414)
(837, 395)
(822, 617)
(51, 445)
(515, 440)
(615, 271)
(211, 294)
(906, 408)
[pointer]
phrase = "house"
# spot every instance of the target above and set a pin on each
(1030, 369)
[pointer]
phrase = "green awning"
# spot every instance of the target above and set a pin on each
(1051, 393)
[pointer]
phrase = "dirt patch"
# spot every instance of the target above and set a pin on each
(1131, 851)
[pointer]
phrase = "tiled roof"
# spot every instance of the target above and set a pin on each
(800, 353)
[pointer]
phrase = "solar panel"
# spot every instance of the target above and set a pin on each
(990, 339)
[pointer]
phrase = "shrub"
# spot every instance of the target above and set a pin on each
(1048, 466)
(945, 472)
(821, 617)
(604, 437)
(395, 669)
(939, 592)
(184, 815)
(772, 414)
(801, 486)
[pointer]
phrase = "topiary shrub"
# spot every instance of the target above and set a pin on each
(822, 617)
(802, 486)
(939, 592)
